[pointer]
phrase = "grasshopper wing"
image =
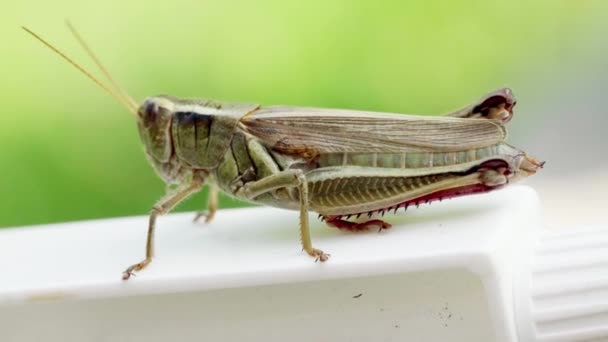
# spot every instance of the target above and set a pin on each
(312, 131)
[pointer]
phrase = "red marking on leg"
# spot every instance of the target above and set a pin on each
(495, 164)
(338, 222)
(356, 227)
(450, 193)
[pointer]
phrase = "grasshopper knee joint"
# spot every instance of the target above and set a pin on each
(157, 210)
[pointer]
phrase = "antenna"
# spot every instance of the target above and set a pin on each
(103, 69)
(129, 104)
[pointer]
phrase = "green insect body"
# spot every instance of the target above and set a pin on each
(338, 163)
(341, 164)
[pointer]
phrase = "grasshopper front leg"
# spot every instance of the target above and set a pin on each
(160, 208)
(287, 179)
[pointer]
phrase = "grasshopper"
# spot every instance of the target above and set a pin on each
(337, 163)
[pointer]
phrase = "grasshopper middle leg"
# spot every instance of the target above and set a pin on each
(211, 205)
(284, 179)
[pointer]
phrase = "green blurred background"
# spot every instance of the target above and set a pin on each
(68, 151)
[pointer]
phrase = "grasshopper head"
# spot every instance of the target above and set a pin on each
(155, 117)
(154, 122)
(184, 134)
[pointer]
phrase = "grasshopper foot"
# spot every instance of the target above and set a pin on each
(357, 227)
(130, 271)
(207, 214)
(318, 254)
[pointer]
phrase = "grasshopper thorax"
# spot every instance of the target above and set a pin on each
(182, 135)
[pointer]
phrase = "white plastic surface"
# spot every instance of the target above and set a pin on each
(443, 272)
(561, 291)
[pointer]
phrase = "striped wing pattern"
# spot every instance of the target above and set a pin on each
(312, 131)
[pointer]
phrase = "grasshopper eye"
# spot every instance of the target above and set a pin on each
(153, 111)
(149, 111)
